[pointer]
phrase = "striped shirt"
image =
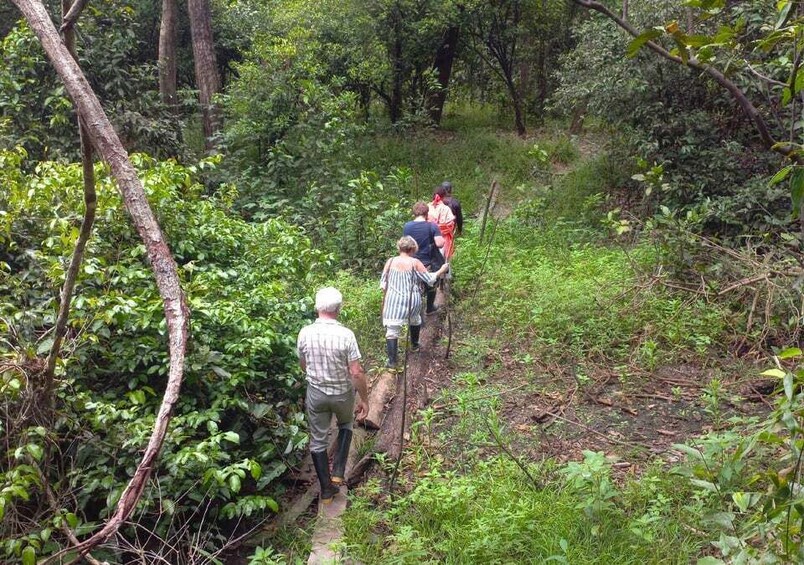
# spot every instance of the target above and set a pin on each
(403, 297)
(327, 347)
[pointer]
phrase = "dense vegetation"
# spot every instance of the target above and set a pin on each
(648, 216)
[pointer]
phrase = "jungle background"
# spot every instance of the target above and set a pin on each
(626, 308)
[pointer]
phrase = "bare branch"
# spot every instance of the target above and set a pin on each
(70, 18)
(760, 76)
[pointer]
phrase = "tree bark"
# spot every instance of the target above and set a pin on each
(167, 53)
(206, 67)
(106, 141)
(442, 65)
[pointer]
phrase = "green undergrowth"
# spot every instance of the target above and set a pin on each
(470, 152)
(448, 517)
(565, 294)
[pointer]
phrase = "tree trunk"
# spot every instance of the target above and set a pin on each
(395, 105)
(206, 67)
(516, 101)
(167, 53)
(107, 143)
(444, 58)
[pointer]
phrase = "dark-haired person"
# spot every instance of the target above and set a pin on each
(454, 205)
(402, 299)
(441, 215)
(329, 356)
(429, 239)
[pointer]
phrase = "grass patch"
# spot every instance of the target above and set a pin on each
(473, 518)
(470, 161)
(561, 290)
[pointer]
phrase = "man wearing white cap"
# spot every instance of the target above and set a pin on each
(329, 356)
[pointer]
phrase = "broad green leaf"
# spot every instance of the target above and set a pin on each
(706, 485)
(778, 373)
(709, 560)
(781, 174)
(789, 353)
(640, 40)
(742, 500)
(35, 451)
(788, 386)
(783, 7)
(688, 450)
(29, 556)
(796, 190)
(232, 437)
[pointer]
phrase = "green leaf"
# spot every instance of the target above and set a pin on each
(232, 437)
(234, 483)
(709, 560)
(784, 13)
(29, 556)
(706, 485)
(778, 373)
(35, 451)
(781, 174)
(72, 519)
(742, 500)
(44, 347)
(789, 353)
(640, 40)
(688, 450)
(788, 386)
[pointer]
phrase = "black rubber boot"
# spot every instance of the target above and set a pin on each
(341, 455)
(414, 337)
(431, 296)
(321, 464)
(391, 348)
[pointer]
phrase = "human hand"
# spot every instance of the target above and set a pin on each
(444, 268)
(361, 410)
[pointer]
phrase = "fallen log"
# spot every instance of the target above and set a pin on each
(380, 394)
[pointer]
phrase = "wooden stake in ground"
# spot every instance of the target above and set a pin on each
(108, 145)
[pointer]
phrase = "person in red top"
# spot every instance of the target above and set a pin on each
(441, 215)
(454, 205)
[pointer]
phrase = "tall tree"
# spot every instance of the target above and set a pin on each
(444, 58)
(167, 53)
(206, 67)
(495, 27)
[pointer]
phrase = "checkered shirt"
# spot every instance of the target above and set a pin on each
(327, 347)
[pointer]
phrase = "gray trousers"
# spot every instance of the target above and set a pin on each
(320, 407)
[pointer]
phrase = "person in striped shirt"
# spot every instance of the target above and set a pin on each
(330, 358)
(402, 297)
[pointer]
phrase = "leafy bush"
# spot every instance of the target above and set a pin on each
(238, 424)
(36, 113)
